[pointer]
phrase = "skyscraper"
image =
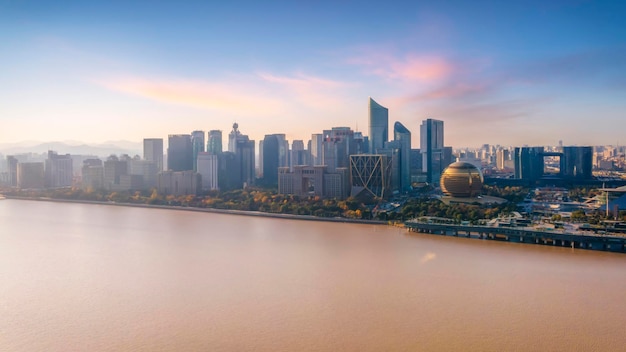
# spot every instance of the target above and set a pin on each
(214, 143)
(378, 125)
(208, 169)
(153, 151)
(431, 146)
(577, 163)
(197, 145)
(179, 152)
(273, 144)
(316, 149)
(529, 163)
(298, 154)
(338, 145)
(12, 166)
(402, 135)
(58, 170)
(244, 152)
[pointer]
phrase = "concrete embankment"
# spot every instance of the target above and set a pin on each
(208, 210)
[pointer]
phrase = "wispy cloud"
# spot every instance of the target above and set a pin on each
(411, 67)
(233, 97)
(310, 91)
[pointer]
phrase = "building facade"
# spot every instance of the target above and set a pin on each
(153, 151)
(208, 169)
(179, 152)
(378, 126)
(432, 149)
(214, 142)
(197, 146)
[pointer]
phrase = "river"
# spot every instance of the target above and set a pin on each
(109, 278)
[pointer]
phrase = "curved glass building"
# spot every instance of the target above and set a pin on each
(378, 126)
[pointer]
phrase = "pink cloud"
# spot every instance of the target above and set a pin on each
(310, 91)
(229, 97)
(413, 67)
(452, 90)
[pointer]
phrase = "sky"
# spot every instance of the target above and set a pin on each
(500, 72)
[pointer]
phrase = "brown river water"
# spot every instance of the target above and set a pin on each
(77, 277)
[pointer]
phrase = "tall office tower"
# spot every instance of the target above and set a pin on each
(379, 126)
(208, 169)
(228, 171)
(197, 146)
(361, 144)
(153, 151)
(529, 163)
(431, 146)
(316, 149)
(298, 154)
(338, 145)
(448, 157)
(232, 138)
(12, 166)
(246, 158)
(402, 135)
(214, 143)
(272, 145)
(416, 165)
(244, 150)
(58, 170)
(179, 152)
(577, 163)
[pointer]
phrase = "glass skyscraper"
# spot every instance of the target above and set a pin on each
(378, 126)
(431, 147)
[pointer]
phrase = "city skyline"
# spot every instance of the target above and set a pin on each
(510, 74)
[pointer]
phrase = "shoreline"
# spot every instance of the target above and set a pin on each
(206, 210)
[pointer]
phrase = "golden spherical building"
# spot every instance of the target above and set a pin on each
(462, 180)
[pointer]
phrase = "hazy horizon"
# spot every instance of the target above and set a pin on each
(528, 73)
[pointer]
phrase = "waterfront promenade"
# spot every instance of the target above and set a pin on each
(523, 235)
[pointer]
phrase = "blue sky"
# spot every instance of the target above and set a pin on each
(509, 73)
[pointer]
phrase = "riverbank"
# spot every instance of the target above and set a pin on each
(207, 210)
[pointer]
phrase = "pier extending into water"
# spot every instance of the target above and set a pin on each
(522, 235)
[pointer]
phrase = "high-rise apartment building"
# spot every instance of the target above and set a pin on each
(378, 126)
(197, 146)
(153, 151)
(179, 152)
(432, 149)
(208, 169)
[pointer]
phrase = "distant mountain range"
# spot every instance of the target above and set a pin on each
(73, 147)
